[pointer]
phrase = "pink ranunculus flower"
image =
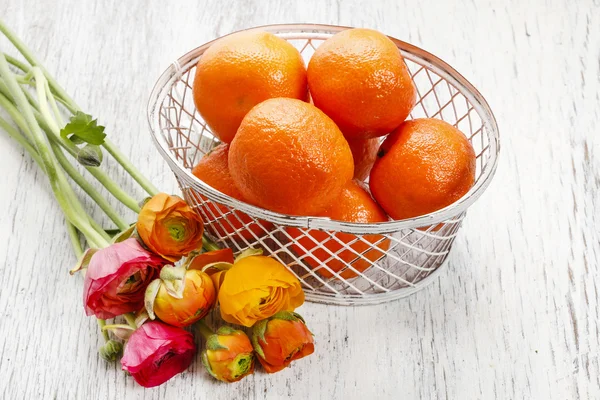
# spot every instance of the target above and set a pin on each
(117, 277)
(156, 352)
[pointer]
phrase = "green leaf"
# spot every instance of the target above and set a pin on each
(83, 127)
(76, 140)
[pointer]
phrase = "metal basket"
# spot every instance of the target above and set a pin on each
(418, 247)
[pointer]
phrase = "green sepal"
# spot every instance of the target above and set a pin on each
(174, 280)
(150, 296)
(258, 332)
(142, 317)
(212, 343)
(144, 201)
(126, 234)
(248, 253)
(227, 330)
(111, 350)
(288, 316)
(207, 364)
(122, 331)
(84, 260)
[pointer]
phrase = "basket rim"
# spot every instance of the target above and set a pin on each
(409, 51)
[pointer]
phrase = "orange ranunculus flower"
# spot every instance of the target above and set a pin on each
(280, 340)
(229, 355)
(257, 287)
(180, 297)
(169, 227)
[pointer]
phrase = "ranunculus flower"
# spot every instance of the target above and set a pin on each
(180, 297)
(280, 340)
(117, 277)
(156, 352)
(228, 355)
(257, 287)
(169, 227)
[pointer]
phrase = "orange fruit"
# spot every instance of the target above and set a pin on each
(423, 166)
(289, 157)
(360, 80)
(364, 153)
(239, 71)
(213, 170)
(353, 205)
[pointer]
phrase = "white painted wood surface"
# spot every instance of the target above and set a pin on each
(515, 315)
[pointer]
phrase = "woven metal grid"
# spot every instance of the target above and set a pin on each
(333, 266)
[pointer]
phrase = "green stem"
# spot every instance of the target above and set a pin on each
(40, 84)
(73, 107)
(127, 166)
(36, 157)
(101, 325)
(68, 167)
(204, 329)
(17, 63)
(62, 191)
(208, 244)
(14, 133)
(28, 55)
(88, 188)
(71, 148)
(130, 318)
(53, 104)
(75, 242)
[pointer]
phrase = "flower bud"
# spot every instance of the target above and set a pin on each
(228, 356)
(90, 156)
(180, 297)
(111, 350)
(280, 340)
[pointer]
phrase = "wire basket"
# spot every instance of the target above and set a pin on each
(380, 262)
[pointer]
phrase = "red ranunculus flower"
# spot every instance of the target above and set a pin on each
(117, 277)
(156, 352)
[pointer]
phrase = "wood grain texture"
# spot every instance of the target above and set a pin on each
(516, 314)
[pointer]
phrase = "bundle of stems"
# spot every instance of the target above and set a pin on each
(34, 107)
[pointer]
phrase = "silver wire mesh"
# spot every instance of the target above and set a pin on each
(333, 266)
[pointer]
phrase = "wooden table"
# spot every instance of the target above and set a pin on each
(514, 315)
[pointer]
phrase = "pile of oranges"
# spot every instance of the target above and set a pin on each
(302, 141)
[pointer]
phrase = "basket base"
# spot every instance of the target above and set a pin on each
(374, 299)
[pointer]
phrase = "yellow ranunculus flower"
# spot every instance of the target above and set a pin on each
(257, 287)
